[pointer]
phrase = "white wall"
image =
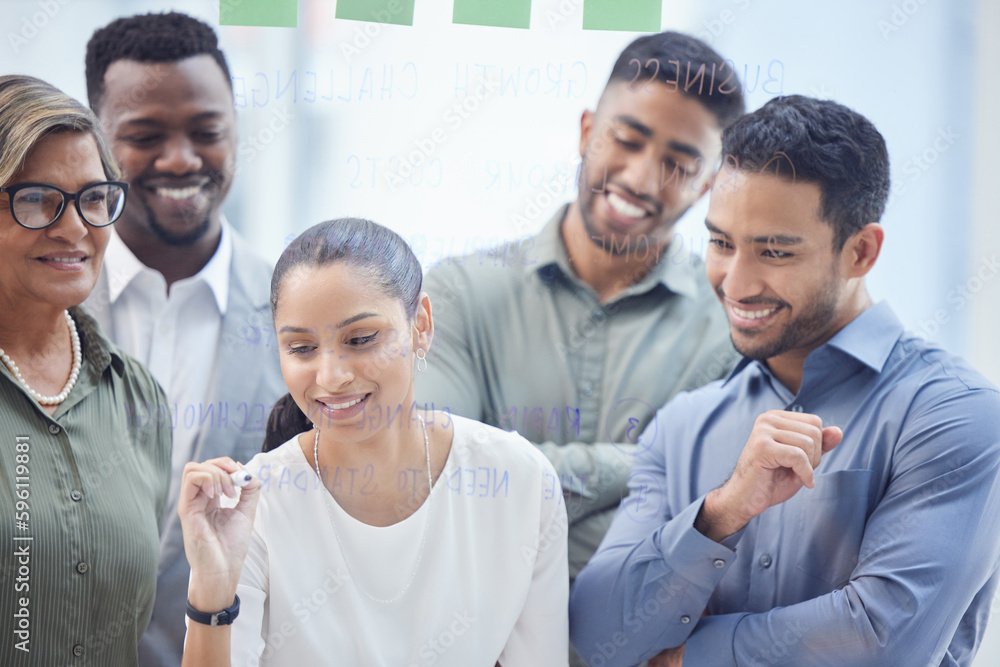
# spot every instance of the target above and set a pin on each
(985, 178)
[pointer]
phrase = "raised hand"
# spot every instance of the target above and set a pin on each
(216, 538)
(778, 459)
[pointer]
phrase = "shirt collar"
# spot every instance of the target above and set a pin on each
(97, 350)
(216, 272)
(98, 354)
(675, 270)
(869, 338)
(123, 266)
(549, 246)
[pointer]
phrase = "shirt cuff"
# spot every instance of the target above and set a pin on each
(692, 555)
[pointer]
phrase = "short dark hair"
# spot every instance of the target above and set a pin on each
(148, 38)
(378, 252)
(816, 141)
(687, 65)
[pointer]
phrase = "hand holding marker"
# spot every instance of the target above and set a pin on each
(240, 478)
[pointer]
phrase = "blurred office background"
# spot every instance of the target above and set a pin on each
(459, 136)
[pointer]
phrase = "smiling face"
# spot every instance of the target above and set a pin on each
(772, 264)
(57, 265)
(347, 349)
(173, 131)
(648, 155)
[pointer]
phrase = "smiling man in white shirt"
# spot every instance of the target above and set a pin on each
(179, 289)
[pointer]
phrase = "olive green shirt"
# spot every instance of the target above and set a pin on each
(521, 343)
(82, 494)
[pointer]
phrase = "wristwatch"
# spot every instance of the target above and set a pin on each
(224, 617)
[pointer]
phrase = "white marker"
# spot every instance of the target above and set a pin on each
(240, 478)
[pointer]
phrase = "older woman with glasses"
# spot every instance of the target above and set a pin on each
(83, 468)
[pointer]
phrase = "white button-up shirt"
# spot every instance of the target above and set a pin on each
(175, 333)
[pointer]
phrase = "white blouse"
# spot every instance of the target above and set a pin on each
(482, 562)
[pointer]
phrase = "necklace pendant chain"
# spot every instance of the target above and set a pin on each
(423, 536)
(73, 374)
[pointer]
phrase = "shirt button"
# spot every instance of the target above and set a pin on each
(76, 496)
(719, 563)
(685, 619)
(82, 567)
(587, 388)
(54, 429)
(765, 561)
(78, 650)
(796, 408)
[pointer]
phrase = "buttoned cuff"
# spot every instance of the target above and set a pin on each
(692, 555)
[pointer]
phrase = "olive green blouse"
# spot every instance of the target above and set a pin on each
(82, 495)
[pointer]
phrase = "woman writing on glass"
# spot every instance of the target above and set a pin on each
(84, 481)
(384, 534)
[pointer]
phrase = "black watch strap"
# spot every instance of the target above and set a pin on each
(224, 617)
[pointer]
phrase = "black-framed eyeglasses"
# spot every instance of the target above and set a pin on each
(38, 205)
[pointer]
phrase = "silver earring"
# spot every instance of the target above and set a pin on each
(421, 360)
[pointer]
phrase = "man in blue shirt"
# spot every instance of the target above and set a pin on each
(890, 554)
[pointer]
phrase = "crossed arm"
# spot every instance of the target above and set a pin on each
(928, 554)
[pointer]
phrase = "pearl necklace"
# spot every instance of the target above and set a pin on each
(423, 536)
(74, 374)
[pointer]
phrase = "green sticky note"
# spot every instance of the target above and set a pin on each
(499, 13)
(397, 12)
(267, 13)
(629, 15)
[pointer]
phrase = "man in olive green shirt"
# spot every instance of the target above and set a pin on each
(79, 557)
(575, 337)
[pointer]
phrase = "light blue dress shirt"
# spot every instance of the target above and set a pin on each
(890, 560)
